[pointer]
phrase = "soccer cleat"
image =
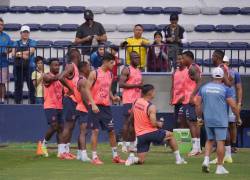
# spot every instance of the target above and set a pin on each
(65, 156)
(118, 160)
(72, 155)
(97, 161)
(193, 153)
(78, 155)
(124, 149)
(39, 150)
(221, 170)
(85, 159)
(131, 160)
(45, 151)
(228, 159)
(181, 161)
(205, 168)
(213, 161)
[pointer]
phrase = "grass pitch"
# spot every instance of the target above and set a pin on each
(20, 162)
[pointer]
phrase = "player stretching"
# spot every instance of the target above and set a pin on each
(131, 82)
(192, 84)
(69, 78)
(99, 93)
(52, 103)
(148, 129)
(82, 110)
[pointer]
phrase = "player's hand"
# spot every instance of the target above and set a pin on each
(140, 85)
(239, 122)
(116, 99)
(95, 109)
(200, 122)
(239, 106)
(191, 101)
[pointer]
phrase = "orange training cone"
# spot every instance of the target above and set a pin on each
(39, 150)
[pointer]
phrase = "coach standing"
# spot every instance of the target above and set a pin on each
(215, 97)
(90, 33)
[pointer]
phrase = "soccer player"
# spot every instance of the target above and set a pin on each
(53, 90)
(131, 82)
(214, 98)
(178, 89)
(69, 78)
(192, 85)
(148, 129)
(82, 110)
(99, 93)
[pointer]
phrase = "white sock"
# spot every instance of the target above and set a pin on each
(198, 144)
(177, 155)
(131, 155)
(44, 143)
(228, 151)
(206, 160)
(194, 144)
(61, 148)
(94, 154)
(114, 152)
(123, 144)
(84, 153)
(68, 147)
(132, 146)
(219, 166)
(127, 144)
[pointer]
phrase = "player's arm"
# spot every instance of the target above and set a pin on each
(111, 95)
(239, 91)
(232, 103)
(123, 79)
(227, 79)
(198, 109)
(152, 117)
(82, 86)
(68, 70)
(89, 84)
(197, 78)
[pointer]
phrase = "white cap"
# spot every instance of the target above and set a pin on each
(225, 59)
(25, 28)
(217, 73)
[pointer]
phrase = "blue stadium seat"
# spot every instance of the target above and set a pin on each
(75, 9)
(61, 44)
(50, 27)
(133, 10)
(170, 10)
(224, 28)
(199, 61)
(247, 63)
(69, 27)
(230, 10)
(96, 9)
(114, 10)
(12, 27)
(245, 11)
(152, 10)
(4, 9)
(11, 77)
(34, 27)
(37, 9)
(242, 28)
(199, 44)
(149, 27)
(236, 62)
(185, 45)
(208, 62)
(18, 9)
(160, 27)
(238, 45)
(57, 9)
(42, 43)
(218, 45)
(204, 28)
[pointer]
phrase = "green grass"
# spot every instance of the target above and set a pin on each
(20, 162)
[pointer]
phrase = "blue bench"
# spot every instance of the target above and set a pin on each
(152, 10)
(218, 44)
(69, 27)
(242, 28)
(57, 9)
(37, 9)
(234, 62)
(149, 27)
(42, 43)
(75, 9)
(4, 9)
(18, 9)
(12, 27)
(224, 28)
(199, 44)
(50, 27)
(204, 28)
(238, 45)
(170, 10)
(133, 10)
(61, 44)
(245, 11)
(34, 27)
(230, 10)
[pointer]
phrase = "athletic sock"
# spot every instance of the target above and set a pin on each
(132, 146)
(206, 160)
(194, 144)
(68, 147)
(228, 151)
(114, 152)
(198, 144)
(94, 154)
(177, 155)
(84, 153)
(131, 155)
(62, 148)
(44, 143)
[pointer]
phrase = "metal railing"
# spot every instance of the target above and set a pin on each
(156, 58)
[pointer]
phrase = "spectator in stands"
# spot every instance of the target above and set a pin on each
(4, 41)
(24, 65)
(90, 33)
(37, 79)
(157, 58)
(97, 56)
(175, 36)
(136, 43)
(114, 51)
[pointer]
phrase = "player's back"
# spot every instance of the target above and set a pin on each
(80, 106)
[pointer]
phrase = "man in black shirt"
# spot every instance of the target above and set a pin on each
(175, 36)
(90, 33)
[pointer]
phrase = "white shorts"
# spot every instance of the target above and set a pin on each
(3, 75)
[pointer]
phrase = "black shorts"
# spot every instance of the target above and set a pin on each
(102, 119)
(127, 109)
(177, 108)
(53, 115)
(69, 109)
(144, 141)
(81, 117)
(188, 112)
